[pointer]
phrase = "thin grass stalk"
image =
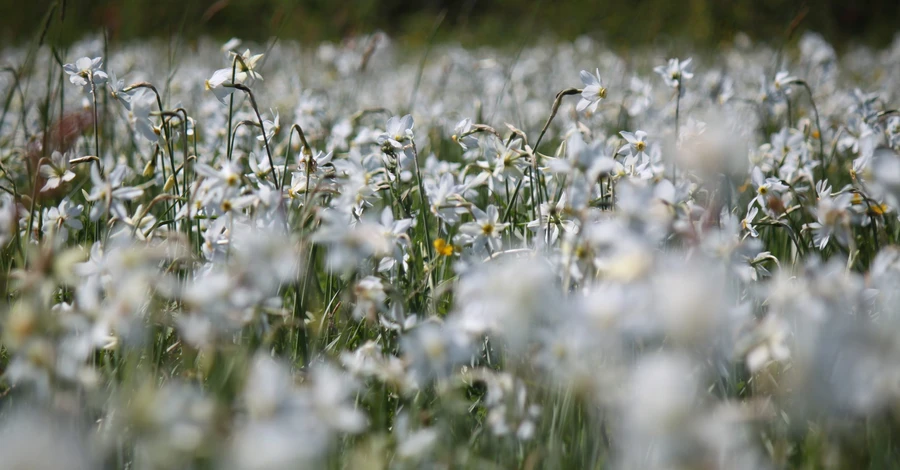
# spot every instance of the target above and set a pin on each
(163, 124)
(228, 142)
(437, 25)
(249, 93)
(679, 91)
(812, 101)
(424, 214)
(96, 129)
(306, 150)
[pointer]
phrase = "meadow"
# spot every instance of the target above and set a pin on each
(363, 255)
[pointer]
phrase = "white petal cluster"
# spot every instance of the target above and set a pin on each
(368, 261)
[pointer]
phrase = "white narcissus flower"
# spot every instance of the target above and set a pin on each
(141, 105)
(259, 167)
(832, 217)
(506, 160)
(588, 159)
(229, 176)
(294, 426)
(675, 72)
(56, 172)
(222, 79)
(691, 130)
(765, 187)
(413, 444)
(109, 194)
(117, 90)
(62, 218)
(310, 170)
(434, 351)
(370, 297)
(783, 81)
(270, 127)
(231, 45)
(444, 196)
(772, 335)
(246, 67)
(593, 91)
(85, 71)
(8, 218)
(218, 80)
(636, 145)
(394, 234)
(397, 131)
(551, 220)
(485, 229)
(893, 129)
(332, 399)
(640, 97)
(747, 222)
(462, 134)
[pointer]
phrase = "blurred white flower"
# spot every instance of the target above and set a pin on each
(61, 219)
(56, 172)
(486, 229)
(86, 71)
(397, 132)
(593, 92)
(675, 72)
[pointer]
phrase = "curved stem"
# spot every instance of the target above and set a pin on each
(553, 110)
(307, 152)
(429, 247)
(249, 93)
(228, 136)
(96, 133)
(818, 124)
(235, 131)
(163, 123)
(34, 191)
(679, 91)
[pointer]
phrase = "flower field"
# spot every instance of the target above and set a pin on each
(361, 255)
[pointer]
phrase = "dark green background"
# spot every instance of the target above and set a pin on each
(621, 23)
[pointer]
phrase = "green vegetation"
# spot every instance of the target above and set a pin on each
(472, 22)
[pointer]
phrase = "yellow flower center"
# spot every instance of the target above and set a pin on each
(878, 209)
(442, 247)
(435, 349)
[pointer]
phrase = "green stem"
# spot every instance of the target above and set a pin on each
(96, 131)
(679, 91)
(249, 93)
(812, 101)
(228, 142)
(423, 210)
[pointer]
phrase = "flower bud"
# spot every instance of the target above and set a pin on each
(170, 183)
(150, 168)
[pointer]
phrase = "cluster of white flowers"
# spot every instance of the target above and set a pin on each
(367, 261)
